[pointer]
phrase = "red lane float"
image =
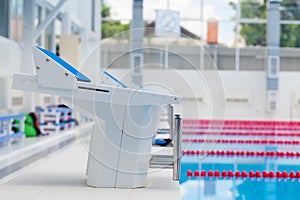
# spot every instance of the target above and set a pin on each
(242, 153)
(247, 128)
(244, 174)
(241, 124)
(232, 141)
(189, 173)
(266, 134)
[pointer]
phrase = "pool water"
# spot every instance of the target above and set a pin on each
(204, 187)
(240, 189)
(197, 187)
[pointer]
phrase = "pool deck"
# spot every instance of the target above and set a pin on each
(61, 176)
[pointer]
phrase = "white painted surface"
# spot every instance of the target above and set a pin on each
(192, 85)
(31, 148)
(8, 97)
(10, 57)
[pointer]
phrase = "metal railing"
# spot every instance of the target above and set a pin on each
(171, 161)
(171, 120)
(177, 147)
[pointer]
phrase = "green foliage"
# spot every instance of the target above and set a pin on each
(111, 27)
(253, 9)
(290, 35)
(290, 10)
(105, 12)
(255, 34)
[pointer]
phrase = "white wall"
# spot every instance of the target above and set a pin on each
(10, 57)
(245, 84)
(10, 62)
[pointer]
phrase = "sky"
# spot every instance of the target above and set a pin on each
(188, 9)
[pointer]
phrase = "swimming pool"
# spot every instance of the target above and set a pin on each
(239, 189)
(239, 164)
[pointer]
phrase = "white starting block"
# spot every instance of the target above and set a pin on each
(125, 119)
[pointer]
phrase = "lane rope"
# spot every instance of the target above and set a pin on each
(241, 153)
(233, 141)
(243, 174)
(267, 134)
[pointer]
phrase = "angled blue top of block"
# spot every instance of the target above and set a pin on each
(67, 66)
(115, 79)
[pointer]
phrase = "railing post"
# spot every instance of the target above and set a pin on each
(171, 120)
(177, 147)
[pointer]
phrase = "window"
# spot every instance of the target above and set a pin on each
(4, 16)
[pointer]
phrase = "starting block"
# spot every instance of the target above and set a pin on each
(126, 119)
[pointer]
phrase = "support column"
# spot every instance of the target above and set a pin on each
(52, 37)
(52, 47)
(273, 58)
(137, 36)
(202, 38)
(28, 42)
(42, 18)
(66, 24)
(237, 36)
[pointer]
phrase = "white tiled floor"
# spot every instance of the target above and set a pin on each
(61, 176)
(30, 149)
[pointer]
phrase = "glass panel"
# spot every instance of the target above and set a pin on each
(290, 10)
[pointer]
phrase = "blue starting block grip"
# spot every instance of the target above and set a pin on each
(67, 66)
(115, 79)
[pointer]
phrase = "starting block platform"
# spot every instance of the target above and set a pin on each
(126, 119)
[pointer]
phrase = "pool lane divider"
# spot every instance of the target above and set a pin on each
(267, 134)
(280, 154)
(242, 174)
(249, 128)
(241, 124)
(233, 141)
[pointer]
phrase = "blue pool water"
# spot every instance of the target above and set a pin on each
(193, 188)
(240, 189)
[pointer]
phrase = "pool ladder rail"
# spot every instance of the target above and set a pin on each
(171, 161)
